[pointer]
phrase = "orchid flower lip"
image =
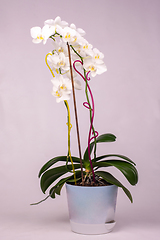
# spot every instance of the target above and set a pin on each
(61, 88)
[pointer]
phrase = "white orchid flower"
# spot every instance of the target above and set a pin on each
(79, 30)
(90, 65)
(59, 61)
(56, 24)
(84, 48)
(87, 48)
(53, 59)
(63, 62)
(59, 22)
(98, 56)
(73, 37)
(70, 35)
(77, 83)
(60, 47)
(61, 88)
(40, 35)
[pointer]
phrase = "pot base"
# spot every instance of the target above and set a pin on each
(92, 228)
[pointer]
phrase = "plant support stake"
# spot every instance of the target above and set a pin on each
(75, 110)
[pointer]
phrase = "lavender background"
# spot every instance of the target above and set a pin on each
(33, 126)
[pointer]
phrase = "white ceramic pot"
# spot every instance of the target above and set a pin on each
(92, 209)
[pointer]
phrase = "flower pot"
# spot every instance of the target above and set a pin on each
(91, 209)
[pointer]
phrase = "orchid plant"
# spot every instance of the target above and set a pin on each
(72, 51)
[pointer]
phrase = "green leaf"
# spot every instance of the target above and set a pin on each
(85, 157)
(52, 192)
(55, 160)
(128, 170)
(113, 155)
(57, 188)
(108, 137)
(53, 174)
(109, 178)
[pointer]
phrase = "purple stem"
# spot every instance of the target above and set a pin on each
(87, 105)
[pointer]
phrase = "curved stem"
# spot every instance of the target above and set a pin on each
(94, 132)
(90, 109)
(91, 114)
(48, 64)
(69, 130)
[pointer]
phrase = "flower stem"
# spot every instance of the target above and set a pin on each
(69, 130)
(76, 53)
(87, 105)
(48, 64)
(76, 117)
(92, 111)
(69, 123)
(86, 91)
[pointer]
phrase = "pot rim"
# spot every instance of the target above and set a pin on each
(95, 187)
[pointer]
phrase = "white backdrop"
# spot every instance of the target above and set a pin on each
(33, 126)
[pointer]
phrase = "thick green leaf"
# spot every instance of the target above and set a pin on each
(85, 157)
(113, 155)
(108, 137)
(55, 160)
(128, 170)
(50, 163)
(52, 193)
(109, 178)
(57, 188)
(53, 174)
